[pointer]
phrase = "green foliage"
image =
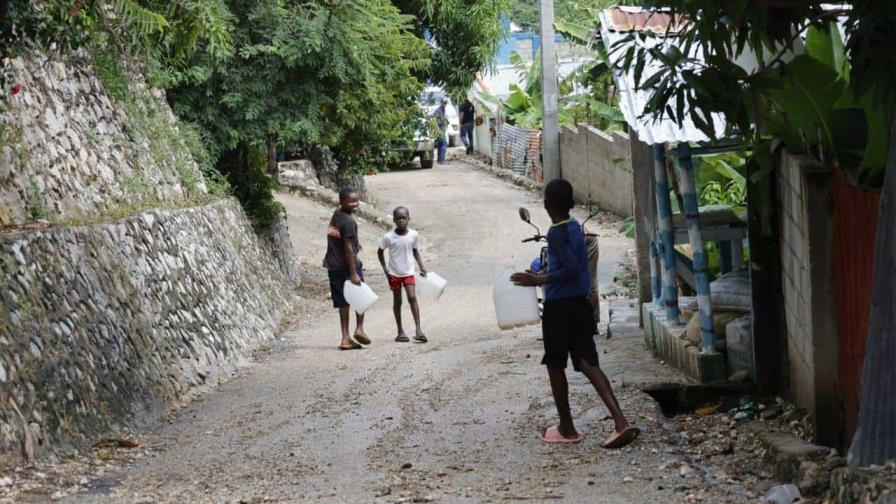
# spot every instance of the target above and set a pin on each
(721, 180)
(465, 35)
(834, 102)
(246, 171)
(305, 74)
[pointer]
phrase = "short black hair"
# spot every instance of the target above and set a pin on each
(558, 194)
(345, 192)
(400, 208)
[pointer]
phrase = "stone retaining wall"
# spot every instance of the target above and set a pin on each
(113, 323)
(70, 151)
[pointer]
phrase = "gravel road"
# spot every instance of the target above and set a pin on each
(454, 420)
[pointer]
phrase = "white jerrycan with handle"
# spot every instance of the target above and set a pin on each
(431, 285)
(515, 306)
(360, 297)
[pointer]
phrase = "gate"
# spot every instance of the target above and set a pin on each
(855, 228)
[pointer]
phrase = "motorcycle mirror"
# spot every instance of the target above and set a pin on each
(589, 218)
(524, 215)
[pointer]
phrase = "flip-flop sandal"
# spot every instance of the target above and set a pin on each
(621, 439)
(362, 339)
(420, 338)
(401, 338)
(353, 346)
(552, 436)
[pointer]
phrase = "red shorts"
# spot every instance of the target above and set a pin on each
(395, 282)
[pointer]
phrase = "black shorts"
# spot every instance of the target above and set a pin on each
(337, 283)
(568, 328)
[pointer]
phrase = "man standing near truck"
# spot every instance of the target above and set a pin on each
(467, 118)
(441, 115)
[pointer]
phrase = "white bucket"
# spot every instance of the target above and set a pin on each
(360, 297)
(515, 306)
(431, 285)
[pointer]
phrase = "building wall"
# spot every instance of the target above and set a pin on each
(795, 281)
(806, 246)
(599, 167)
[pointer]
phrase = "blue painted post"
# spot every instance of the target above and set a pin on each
(655, 284)
(666, 242)
(695, 238)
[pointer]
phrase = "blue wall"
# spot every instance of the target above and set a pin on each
(510, 43)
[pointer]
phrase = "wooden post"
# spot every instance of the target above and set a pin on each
(695, 238)
(666, 241)
(769, 347)
(642, 189)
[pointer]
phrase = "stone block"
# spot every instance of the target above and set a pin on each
(866, 485)
(785, 452)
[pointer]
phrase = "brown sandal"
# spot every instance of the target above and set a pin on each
(352, 346)
(621, 439)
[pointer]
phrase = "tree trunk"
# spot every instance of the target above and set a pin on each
(875, 438)
(272, 157)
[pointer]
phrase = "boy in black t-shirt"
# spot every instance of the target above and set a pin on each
(342, 264)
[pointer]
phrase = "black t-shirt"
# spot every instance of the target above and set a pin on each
(342, 227)
(468, 111)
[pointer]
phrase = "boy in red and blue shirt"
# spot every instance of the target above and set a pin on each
(568, 322)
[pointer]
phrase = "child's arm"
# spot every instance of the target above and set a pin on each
(423, 270)
(528, 279)
(350, 260)
(381, 254)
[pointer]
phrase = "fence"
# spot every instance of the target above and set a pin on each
(518, 149)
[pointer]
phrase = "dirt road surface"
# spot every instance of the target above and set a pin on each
(454, 420)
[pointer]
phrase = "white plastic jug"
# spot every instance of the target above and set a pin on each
(431, 285)
(515, 306)
(360, 297)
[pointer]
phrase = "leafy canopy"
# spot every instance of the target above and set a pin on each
(835, 100)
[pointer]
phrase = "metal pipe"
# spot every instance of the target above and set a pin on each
(666, 242)
(695, 238)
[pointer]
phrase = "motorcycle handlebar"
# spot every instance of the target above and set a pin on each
(533, 239)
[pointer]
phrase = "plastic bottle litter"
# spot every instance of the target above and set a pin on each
(431, 285)
(783, 494)
(515, 306)
(360, 297)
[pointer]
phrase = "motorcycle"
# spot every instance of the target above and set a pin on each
(539, 265)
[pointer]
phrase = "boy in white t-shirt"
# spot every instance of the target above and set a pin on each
(401, 243)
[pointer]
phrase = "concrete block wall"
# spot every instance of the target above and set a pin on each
(598, 165)
(806, 240)
(795, 280)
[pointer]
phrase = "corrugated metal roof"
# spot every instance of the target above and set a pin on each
(627, 19)
(616, 24)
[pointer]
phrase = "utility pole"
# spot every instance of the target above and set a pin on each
(550, 129)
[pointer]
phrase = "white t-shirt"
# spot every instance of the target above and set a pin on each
(401, 252)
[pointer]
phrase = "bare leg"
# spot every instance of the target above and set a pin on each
(602, 385)
(415, 307)
(560, 389)
(343, 321)
(396, 309)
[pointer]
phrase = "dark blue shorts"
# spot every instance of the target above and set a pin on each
(568, 328)
(337, 283)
